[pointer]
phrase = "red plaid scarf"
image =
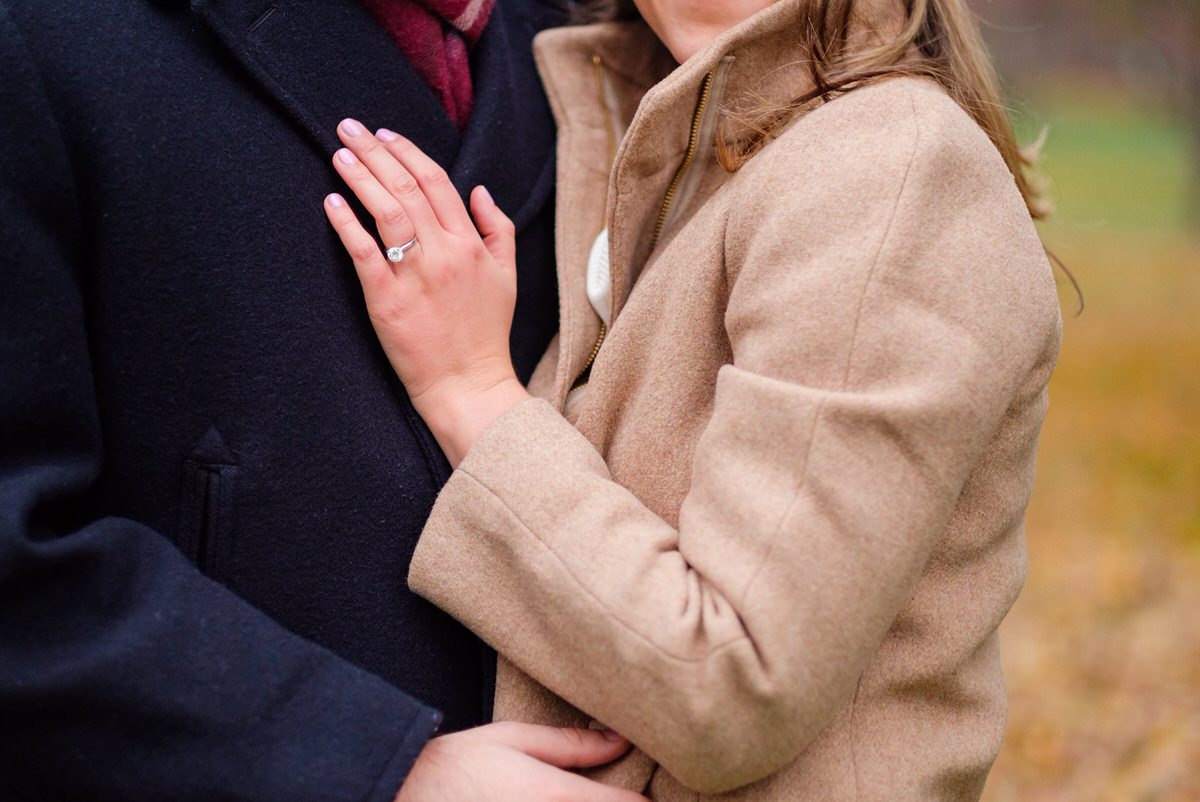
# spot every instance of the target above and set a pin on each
(434, 35)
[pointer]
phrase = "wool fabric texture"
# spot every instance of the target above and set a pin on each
(435, 36)
(210, 477)
(775, 547)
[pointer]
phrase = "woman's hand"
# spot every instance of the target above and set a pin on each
(444, 312)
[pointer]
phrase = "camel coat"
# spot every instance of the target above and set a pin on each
(776, 545)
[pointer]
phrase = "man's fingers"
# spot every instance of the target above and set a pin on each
(368, 260)
(441, 192)
(499, 234)
(565, 747)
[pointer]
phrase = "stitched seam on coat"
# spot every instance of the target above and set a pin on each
(812, 436)
(597, 599)
(853, 739)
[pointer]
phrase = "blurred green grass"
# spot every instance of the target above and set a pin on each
(1101, 652)
(1116, 164)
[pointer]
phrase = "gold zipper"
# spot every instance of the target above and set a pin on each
(688, 158)
(582, 378)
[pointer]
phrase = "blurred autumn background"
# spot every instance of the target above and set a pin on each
(1102, 652)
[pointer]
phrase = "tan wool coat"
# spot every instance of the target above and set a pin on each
(775, 547)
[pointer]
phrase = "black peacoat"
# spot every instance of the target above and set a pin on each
(211, 483)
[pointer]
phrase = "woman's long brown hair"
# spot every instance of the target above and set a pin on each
(941, 40)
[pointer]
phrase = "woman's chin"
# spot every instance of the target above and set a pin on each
(684, 46)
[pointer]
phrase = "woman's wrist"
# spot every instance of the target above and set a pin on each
(458, 412)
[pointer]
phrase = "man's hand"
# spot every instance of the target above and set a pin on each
(510, 762)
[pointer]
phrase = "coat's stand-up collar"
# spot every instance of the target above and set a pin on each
(757, 62)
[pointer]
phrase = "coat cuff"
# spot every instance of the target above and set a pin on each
(421, 728)
(532, 428)
(453, 566)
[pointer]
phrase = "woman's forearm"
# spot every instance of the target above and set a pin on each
(457, 414)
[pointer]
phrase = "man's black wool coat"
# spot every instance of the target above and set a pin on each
(210, 480)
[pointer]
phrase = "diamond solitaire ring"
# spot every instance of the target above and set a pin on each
(396, 254)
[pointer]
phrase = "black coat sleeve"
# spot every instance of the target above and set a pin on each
(125, 674)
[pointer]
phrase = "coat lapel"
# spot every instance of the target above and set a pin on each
(323, 60)
(509, 142)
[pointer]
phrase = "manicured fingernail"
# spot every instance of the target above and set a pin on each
(487, 195)
(384, 135)
(352, 128)
(611, 735)
(335, 200)
(346, 157)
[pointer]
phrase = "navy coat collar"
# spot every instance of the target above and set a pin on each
(324, 60)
